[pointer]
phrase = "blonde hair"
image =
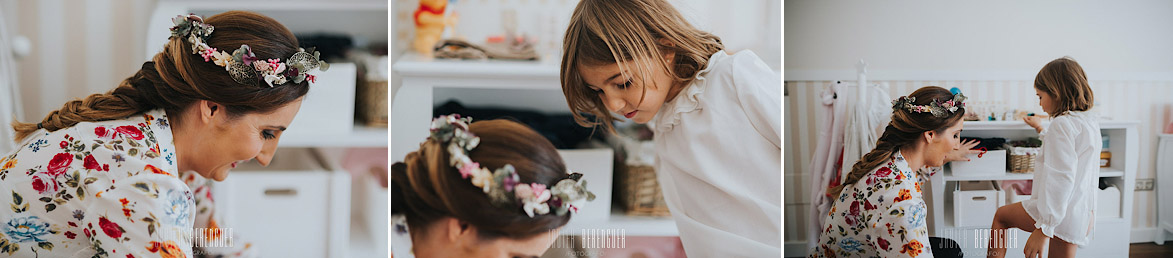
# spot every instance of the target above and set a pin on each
(1065, 81)
(175, 78)
(603, 32)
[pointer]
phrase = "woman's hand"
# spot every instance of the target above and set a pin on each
(1034, 244)
(963, 153)
(1034, 122)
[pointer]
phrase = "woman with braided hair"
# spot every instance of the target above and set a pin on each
(879, 210)
(125, 173)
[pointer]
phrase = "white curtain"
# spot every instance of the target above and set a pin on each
(847, 130)
(9, 103)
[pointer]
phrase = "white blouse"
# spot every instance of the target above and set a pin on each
(1066, 175)
(719, 158)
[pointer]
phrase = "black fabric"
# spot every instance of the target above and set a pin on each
(944, 247)
(560, 129)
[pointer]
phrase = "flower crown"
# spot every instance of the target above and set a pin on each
(936, 107)
(503, 185)
(242, 64)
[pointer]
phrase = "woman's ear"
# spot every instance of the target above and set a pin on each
(929, 136)
(208, 110)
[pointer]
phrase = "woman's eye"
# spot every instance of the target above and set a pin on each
(268, 135)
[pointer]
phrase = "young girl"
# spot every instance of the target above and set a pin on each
(493, 188)
(1062, 203)
(717, 118)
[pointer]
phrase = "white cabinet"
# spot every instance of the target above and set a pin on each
(1112, 233)
(1164, 187)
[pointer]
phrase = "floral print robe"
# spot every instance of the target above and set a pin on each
(881, 215)
(105, 189)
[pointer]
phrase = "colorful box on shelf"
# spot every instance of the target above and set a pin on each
(989, 163)
(974, 203)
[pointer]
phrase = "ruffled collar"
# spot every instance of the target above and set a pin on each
(688, 100)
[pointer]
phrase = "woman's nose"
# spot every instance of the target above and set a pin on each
(266, 154)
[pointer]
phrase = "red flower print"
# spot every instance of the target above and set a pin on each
(87, 231)
(867, 205)
(59, 163)
(70, 235)
(131, 131)
(105, 133)
(912, 248)
(854, 208)
(44, 184)
(64, 144)
(903, 195)
(167, 249)
(883, 172)
(883, 243)
(899, 176)
(111, 229)
(124, 201)
(91, 163)
(155, 170)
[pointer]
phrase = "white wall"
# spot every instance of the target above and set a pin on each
(992, 49)
(1113, 40)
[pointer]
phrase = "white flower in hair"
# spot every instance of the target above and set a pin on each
(533, 197)
(482, 178)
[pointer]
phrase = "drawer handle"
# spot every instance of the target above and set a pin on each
(976, 198)
(281, 191)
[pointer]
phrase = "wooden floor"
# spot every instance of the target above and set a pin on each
(1150, 250)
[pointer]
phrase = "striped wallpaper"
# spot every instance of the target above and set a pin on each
(1144, 101)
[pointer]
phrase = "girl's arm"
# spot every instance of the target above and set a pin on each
(759, 91)
(1059, 163)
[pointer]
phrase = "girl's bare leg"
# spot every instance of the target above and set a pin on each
(1007, 217)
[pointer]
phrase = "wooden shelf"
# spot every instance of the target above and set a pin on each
(361, 136)
(1104, 172)
(1020, 125)
(631, 225)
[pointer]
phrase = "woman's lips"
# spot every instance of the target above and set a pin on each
(631, 114)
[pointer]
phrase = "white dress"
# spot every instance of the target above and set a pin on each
(1063, 200)
(719, 159)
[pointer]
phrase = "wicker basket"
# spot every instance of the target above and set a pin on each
(372, 103)
(1021, 163)
(640, 192)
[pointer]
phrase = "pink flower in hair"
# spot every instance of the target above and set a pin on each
(468, 169)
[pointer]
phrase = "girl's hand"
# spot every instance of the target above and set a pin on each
(963, 153)
(1034, 244)
(1034, 122)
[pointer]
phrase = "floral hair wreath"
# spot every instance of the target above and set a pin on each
(503, 185)
(936, 107)
(242, 64)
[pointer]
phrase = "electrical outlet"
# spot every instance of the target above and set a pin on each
(1144, 184)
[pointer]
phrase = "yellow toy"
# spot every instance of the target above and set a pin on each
(429, 25)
